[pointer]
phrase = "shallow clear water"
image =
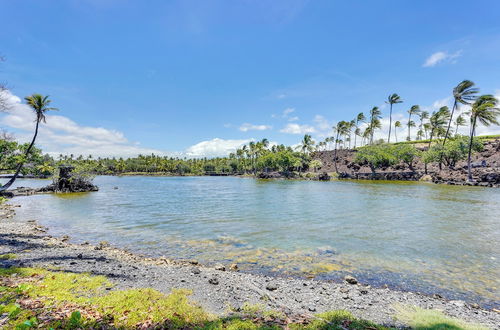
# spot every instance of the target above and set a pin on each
(425, 237)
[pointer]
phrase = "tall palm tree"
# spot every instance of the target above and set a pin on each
(463, 93)
(397, 124)
(485, 111)
(359, 119)
(342, 128)
(391, 100)
(423, 115)
(375, 115)
(40, 105)
(414, 110)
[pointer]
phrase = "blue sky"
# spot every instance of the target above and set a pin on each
(201, 77)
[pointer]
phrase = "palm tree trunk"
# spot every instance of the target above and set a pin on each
(390, 125)
(20, 166)
(469, 172)
(395, 134)
(449, 122)
(409, 120)
(335, 154)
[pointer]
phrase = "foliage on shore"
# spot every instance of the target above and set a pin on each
(38, 298)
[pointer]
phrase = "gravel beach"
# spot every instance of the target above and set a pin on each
(221, 288)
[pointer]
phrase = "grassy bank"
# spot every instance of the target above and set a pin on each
(40, 298)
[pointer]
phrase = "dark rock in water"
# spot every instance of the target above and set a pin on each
(69, 182)
(272, 286)
(350, 279)
(324, 177)
(213, 280)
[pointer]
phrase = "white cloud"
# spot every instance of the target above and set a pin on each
(293, 118)
(250, 127)
(293, 128)
(288, 111)
(439, 57)
(61, 135)
(215, 147)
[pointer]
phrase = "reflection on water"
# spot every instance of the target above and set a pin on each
(411, 235)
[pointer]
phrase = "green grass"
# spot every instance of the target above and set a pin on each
(420, 319)
(8, 256)
(39, 298)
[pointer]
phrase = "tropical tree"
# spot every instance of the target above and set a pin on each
(397, 124)
(391, 100)
(315, 164)
(307, 144)
(485, 111)
(359, 119)
(460, 121)
(414, 110)
(463, 93)
(375, 115)
(423, 115)
(342, 128)
(437, 122)
(40, 105)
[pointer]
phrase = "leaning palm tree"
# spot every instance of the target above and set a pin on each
(485, 111)
(397, 124)
(437, 122)
(414, 110)
(40, 105)
(391, 100)
(341, 129)
(463, 93)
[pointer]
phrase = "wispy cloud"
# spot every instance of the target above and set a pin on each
(251, 127)
(440, 57)
(293, 128)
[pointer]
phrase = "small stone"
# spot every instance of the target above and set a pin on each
(350, 279)
(312, 308)
(458, 303)
(213, 280)
(272, 286)
(65, 238)
(193, 262)
(233, 267)
(437, 296)
(220, 267)
(195, 270)
(345, 297)
(363, 291)
(72, 263)
(80, 256)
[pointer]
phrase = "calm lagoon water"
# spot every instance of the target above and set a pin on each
(425, 237)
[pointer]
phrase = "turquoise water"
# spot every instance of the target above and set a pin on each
(425, 237)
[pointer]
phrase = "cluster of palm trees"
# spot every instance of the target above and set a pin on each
(431, 126)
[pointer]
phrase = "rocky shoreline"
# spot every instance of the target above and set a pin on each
(218, 289)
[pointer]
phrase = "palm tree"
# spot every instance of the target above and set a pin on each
(342, 128)
(485, 111)
(423, 115)
(438, 121)
(414, 110)
(396, 125)
(359, 119)
(464, 93)
(392, 99)
(307, 144)
(40, 105)
(375, 114)
(460, 121)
